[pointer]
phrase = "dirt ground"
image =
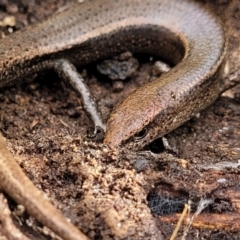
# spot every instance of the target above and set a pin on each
(107, 194)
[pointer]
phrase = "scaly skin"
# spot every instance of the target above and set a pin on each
(178, 30)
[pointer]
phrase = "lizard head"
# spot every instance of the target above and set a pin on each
(132, 123)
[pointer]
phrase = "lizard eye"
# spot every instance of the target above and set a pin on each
(141, 134)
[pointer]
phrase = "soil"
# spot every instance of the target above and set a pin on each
(107, 193)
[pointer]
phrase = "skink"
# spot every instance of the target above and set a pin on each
(179, 31)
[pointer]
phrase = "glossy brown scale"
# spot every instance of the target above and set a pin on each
(179, 31)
